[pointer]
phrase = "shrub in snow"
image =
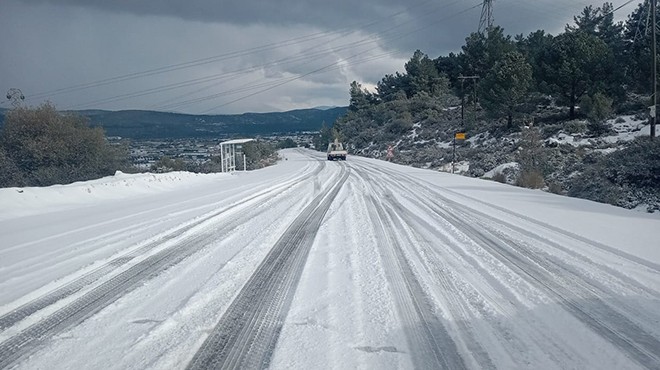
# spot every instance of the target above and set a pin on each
(555, 187)
(637, 165)
(593, 186)
(626, 178)
(499, 177)
(597, 107)
(10, 174)
(575, 126)
(532, 179)
(531, 156)
(42, 147)
(599, 128)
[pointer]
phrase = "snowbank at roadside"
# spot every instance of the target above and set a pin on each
(29, 200)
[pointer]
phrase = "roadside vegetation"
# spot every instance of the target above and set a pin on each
(42, 147)
(511, 95)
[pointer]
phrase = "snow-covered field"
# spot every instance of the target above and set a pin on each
(316, 264)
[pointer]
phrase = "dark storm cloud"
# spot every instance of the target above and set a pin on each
(427, 24)
(312, 12)
(434, 25)
(54, 44)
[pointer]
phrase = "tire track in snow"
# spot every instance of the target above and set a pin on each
(569, 288)
(163, 209)
(654, 267)
(27, 340)
(461, 277)
(430, 344)
(619, 253)
(436, 195)
(578, 294)
(14, 316)
(247, 333)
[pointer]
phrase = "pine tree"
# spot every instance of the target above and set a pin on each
(506, 85)
(423, 76)
(536, 48)
(360, 98)
(577, 64)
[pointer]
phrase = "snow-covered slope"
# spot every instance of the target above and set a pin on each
(573, 157)
(316, 264)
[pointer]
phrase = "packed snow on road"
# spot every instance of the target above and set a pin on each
(317, 264)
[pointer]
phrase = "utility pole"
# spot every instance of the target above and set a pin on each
(453, 156)
(655, 70)
(462, 99)
(474, 100)
(460, 134)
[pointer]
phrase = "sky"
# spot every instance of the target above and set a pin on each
(230, 56)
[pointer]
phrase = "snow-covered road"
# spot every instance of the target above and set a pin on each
(316, 264)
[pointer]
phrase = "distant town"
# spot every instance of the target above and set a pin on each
(145, 153)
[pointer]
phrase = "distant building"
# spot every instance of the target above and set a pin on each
(228, 152)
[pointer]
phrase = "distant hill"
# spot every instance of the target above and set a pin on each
(138, 124)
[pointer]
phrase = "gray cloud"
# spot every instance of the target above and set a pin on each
(320, 13)
(54, 44)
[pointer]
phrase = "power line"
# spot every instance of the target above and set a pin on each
(330, 65)
(285, 60)
(216, 58)
(221, 76)
(215, 77)
(323, 68)
(178, 66)
(363, 42)
(198, 62)
(316, 71)
(623, 5)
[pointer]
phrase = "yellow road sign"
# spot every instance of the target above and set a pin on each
(460, 136)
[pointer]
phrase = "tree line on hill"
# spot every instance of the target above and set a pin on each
(595, 64)
(136, 124)
(596, 67)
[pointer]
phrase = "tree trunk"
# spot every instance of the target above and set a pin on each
(573, 99)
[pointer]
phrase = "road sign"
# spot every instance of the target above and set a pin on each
(460, 136)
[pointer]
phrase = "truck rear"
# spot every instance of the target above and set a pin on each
(336, 151)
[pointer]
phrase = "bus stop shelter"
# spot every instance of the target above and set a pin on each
(228, 154)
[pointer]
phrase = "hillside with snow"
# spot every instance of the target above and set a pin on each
(572, 160)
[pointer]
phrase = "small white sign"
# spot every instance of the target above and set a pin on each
(652, 111)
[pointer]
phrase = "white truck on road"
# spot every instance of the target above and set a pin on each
(336, 151)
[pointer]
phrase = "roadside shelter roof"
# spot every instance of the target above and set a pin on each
(236, 141)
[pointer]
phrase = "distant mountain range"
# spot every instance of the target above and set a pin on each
(138, 124)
